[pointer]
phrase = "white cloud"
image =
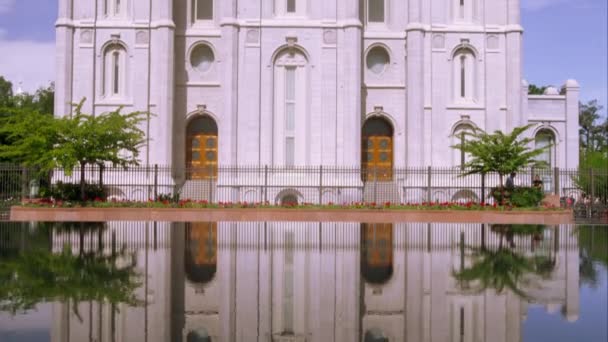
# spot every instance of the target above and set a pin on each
(28, 62)
(6, 6)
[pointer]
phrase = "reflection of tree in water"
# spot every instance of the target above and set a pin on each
(37, 275)
(503, 266)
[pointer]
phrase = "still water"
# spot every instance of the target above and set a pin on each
(302, 282)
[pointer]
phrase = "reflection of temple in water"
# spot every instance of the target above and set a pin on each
(296, 282)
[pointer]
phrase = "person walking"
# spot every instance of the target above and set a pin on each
(510, 184)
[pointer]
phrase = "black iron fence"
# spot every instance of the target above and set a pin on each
(585, 190)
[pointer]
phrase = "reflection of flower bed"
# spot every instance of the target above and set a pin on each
(190, 204)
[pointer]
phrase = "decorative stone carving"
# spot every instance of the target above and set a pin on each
(330, 37)
(438, 41)
(253, 36)
(142, 38)
(86, 37)
(492, 42)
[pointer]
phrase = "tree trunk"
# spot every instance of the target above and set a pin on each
(82, 181)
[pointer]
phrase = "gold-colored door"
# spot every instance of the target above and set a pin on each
(203, 240)
(377, 158)
(378, 244)
(202, 156)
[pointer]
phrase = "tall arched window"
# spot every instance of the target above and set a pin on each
(290, 7)
(546, 139)
(464, 10)
(460, 136)
(114, 8)
(290, 89)
(465, 76)
(114, 71)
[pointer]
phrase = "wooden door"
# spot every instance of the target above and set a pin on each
(377, 158)
(378, 244)
(202, 156)
(203, 243)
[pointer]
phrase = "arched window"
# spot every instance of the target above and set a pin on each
(290, 7)
(459, 137)
(464, 10)
(464, 76)
(376, 252)
(290, 89)
(114, 8)
(546, 139)
(114, 71)
(200, 260)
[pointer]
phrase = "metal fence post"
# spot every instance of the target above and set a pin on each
(592, 184)
(210, 184)
(320, 184)
(429, 184)
(556, 181)
(101, 166)
(155, 181)
(375, 184)
(265, 184)
(483, 187)
(24, 182)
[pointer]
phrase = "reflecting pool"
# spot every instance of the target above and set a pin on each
(302, 282)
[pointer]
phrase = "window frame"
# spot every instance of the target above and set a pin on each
(281, 8)
(465, 80)
(376, 24)
(115, 8)
(114, 72)
(194, 5)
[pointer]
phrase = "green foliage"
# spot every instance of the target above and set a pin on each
(6, 92)
(536, 90)
(168, 198)
(499, 152)
(592, 175)
(526, 197)
(28, 138)
(593, 133)
(72, 192)
(41, 276)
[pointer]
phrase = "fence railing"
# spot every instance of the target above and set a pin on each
(304, 184)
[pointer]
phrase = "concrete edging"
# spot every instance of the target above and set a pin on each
(288, 215)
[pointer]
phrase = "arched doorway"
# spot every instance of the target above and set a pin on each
(202, 148)
(201, 252)
(377, 252)
(545, 139)
(377, 150)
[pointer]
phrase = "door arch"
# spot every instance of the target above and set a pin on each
(377, 150)
(202, 148)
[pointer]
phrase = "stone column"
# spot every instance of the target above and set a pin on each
(163, 85)
(229, 54)
(572, 113)
(514, 66)
(64, 29)
(414, 87)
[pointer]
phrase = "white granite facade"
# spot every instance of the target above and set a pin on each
(427, 67)
(304, 282)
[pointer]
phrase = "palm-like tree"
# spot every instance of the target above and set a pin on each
(502, 267)
(40, 276)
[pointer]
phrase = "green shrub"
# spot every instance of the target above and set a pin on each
(521, 197)
(170, 198)
(71, 192)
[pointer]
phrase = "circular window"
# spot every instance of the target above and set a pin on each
(202, 58)
(377, 60)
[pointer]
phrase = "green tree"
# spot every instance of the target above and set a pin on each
(536, 90)
(593, 135)
(45, 142)
(499, 152)
(6, 93)
(592, 175)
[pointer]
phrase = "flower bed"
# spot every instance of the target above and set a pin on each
(191, 204)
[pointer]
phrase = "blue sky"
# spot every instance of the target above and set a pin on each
(563, 39)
